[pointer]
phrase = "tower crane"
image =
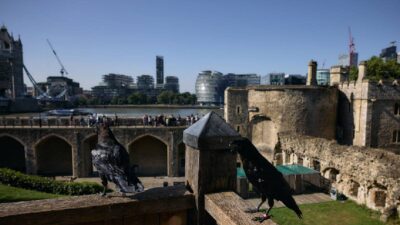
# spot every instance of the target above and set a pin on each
(63, 70)
(352, 47)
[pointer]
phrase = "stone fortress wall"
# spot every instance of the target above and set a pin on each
(366, 115)
(368, 176)
(261, 112)
(159, 151)
(299, 124)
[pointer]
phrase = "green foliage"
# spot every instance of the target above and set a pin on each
(137, 98)
(13, 194)
(168, 97)
(378, 69)
(43, 184)
(165, 97)
(353, 73)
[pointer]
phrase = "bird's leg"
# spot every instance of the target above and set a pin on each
(252, 210)
(104, 183)
(263, 199)
(271, 204)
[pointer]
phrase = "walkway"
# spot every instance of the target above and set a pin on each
(300, 199)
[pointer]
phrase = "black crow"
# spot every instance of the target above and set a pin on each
(264, 176)
(112, 162)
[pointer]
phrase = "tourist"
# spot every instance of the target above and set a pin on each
(187, 120)
(71, 120)
(145, 120)
(116, 120)
(82, 121)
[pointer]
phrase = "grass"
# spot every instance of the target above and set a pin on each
(329, 213)
(13, 194)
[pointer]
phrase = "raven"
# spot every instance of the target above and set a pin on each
(112, 162)
(264, 176)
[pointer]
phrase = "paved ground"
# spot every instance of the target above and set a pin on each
(300, 199)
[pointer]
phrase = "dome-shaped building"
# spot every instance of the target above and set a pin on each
(209, 88)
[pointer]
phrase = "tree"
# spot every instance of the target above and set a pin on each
(353, 75)
(165, 97)
(378, 69)
(137, 98)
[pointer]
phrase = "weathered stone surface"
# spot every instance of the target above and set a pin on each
(308, 110)
(367, 175)
(99, 210)
(78, 139)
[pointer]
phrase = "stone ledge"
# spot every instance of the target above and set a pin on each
(227, 208)
(92, 208)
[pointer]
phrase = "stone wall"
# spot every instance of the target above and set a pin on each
(264, 111)
(79, 139)
(366, 114)
(366, 175)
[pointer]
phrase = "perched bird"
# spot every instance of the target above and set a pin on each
(112, 162)
(264, 176)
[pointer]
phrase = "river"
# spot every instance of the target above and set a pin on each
(137, 111)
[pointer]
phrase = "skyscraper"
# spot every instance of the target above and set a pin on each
(160, 70)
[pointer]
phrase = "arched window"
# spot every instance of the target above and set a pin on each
(397, 109)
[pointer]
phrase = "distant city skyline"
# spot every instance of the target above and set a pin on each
(94, 38)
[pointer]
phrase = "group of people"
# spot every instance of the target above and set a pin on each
(93, 119)
(148, 120)
(170, 120)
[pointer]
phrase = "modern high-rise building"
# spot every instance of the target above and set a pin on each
(265, 80)
(389, 53)
(209, 88)
(160, 70)
(344, 60)
(241, 80)
(11, 66)
(323, 77)
(277, 78)
(117, 80)
(210, 85)
(113, 85)
(295, 79)
(172, 84)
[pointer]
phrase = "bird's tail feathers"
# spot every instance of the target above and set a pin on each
(299, 213)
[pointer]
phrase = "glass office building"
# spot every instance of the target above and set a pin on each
(323, 77)
(209, 88)
(277, 78)
(172, 84)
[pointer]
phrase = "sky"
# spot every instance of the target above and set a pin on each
(97, 37)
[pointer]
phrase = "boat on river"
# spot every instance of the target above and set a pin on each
(67, 112)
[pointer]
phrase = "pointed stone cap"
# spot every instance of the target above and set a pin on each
(210, 133)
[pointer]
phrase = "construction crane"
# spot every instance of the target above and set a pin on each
(352, 47)
(42, 94)
(63, 70)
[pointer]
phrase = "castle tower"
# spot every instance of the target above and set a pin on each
(312, 73)
(11, 65)
(338, 75)
(362, 70)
